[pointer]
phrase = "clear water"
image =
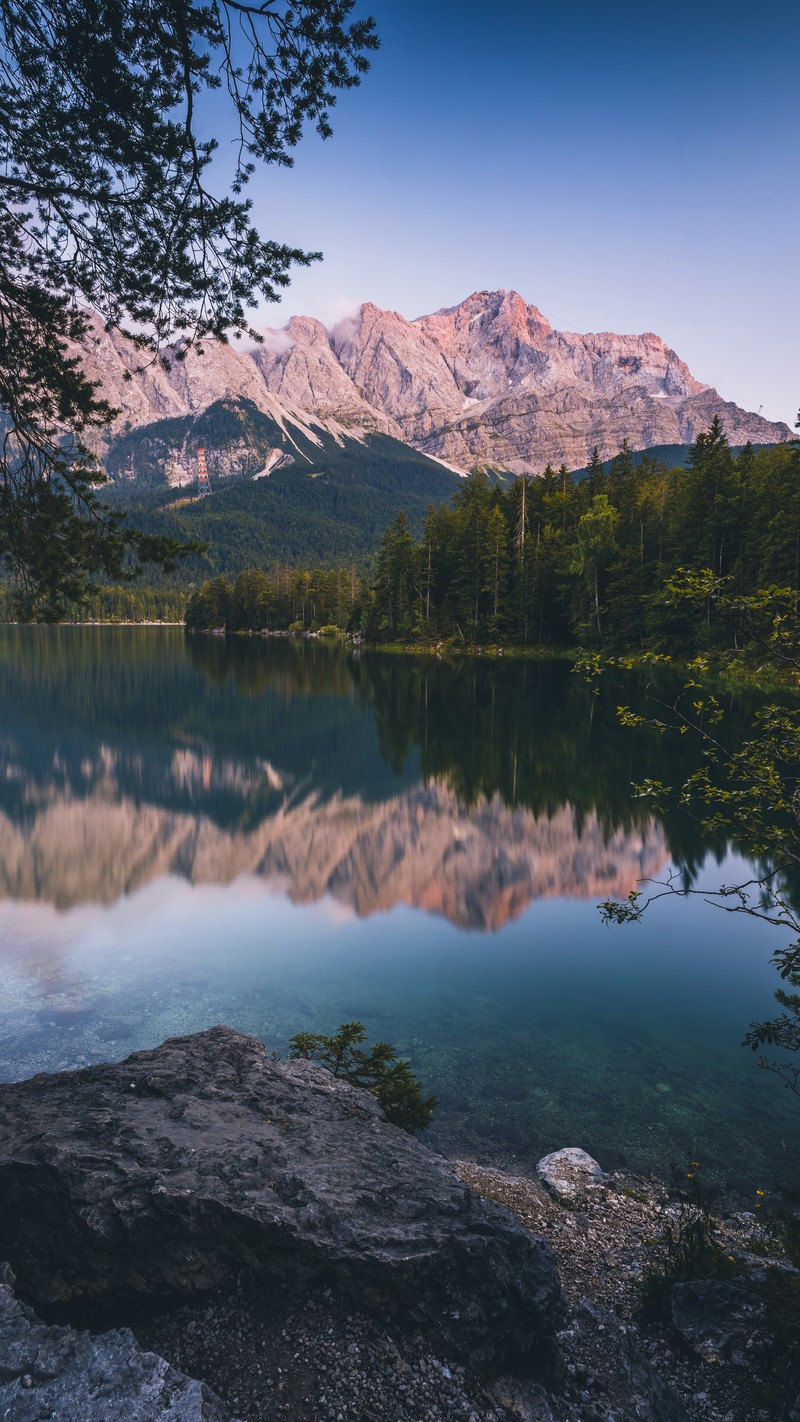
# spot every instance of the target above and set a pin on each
(283, 837)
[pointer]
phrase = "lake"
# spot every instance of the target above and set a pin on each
(284, 835)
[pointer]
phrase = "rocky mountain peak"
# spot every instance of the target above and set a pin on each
(300, 328)
(490, 312)
(488, 381)
(300, 366)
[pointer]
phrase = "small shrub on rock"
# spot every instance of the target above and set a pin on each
(378, 1069)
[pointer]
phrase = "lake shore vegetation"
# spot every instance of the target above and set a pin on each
(556, 563)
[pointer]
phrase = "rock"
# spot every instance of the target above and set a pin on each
(624, 1385)
(716, 1319)
(526, 1401)
(58, 1373)
(632, 1389)
(299, 365)
(570, 1174)
(165, 1174)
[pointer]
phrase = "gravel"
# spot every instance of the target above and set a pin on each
(602, 1250)
(315, 1358)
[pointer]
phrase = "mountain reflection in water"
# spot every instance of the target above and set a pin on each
(284, 835)
(467, 790)
(479, 868)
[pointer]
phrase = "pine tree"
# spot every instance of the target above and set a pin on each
(595, 545)
(595, 475)
(496, 567)
(622, 485)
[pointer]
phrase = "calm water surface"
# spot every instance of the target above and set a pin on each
(284, 835)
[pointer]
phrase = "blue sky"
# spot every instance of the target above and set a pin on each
(625, 167)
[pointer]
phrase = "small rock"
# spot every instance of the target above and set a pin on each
(569, 1174)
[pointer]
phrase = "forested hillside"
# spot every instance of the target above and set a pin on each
(330, 501)
(551, 561)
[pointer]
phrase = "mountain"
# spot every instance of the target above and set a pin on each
(289, 485)
(285, 489)
(491, 381)
(163, 410)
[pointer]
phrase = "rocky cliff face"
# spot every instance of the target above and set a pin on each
(491, 380)
(487, 381)
(145, 391)
(300, 366)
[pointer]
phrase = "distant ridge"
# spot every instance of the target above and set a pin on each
(278, 495)
(675, 456)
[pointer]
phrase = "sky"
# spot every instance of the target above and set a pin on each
(625, 167)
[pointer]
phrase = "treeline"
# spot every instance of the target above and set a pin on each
(291, 599)
(127, 602)
(553, 561)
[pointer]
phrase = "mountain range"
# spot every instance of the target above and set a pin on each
(486, 382)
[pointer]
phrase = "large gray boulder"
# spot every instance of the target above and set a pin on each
(166, 1173)
(53, 1372)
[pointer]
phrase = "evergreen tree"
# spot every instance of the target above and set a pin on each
(622, 485)
(712, 506)
(595, 545)
(472, 502)
(397, 608)
(496, 569)
(595, 475)
(107, 201)
(525, 503)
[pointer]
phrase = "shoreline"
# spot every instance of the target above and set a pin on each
(299, 1257)
(719, 663)
(305, 1351)
(730, 675)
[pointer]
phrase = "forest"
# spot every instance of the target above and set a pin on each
(552, 561)
(330, 503)
(114, 602)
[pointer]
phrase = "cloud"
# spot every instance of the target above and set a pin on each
(277, 342)
(341, 308)
(341, 317)
(344, 330)
(345, 323)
